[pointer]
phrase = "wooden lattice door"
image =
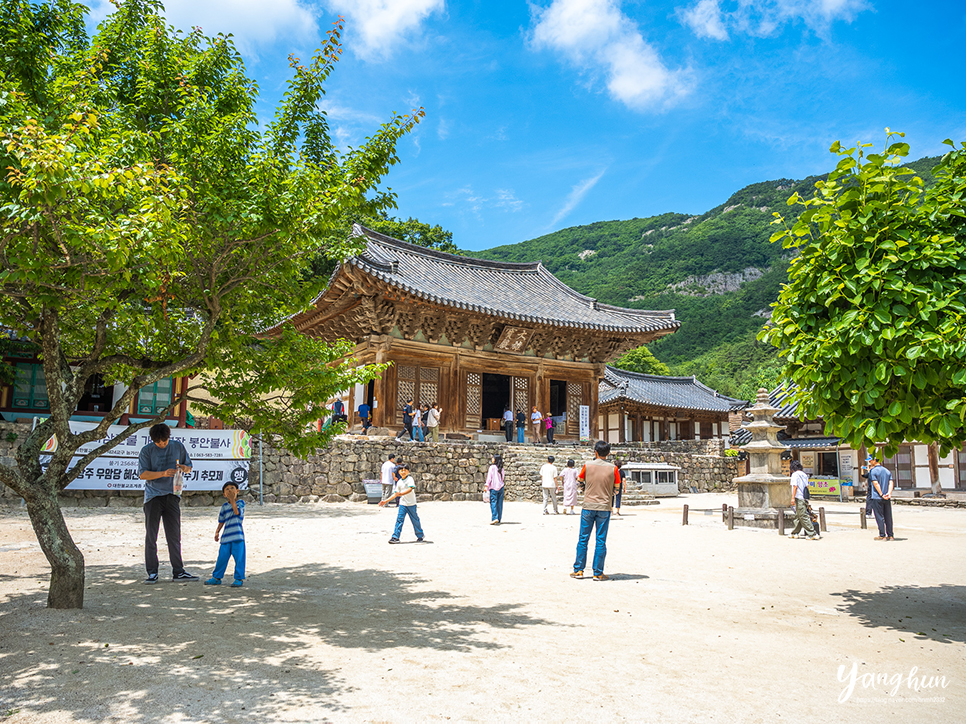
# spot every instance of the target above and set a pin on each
(521, 395)
(421, 384)
(575, 398)
(474, 400)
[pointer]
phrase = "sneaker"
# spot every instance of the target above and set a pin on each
(879, 537)
(577, 574)
(393, 540)
(813, 537)
(184, 576)
(237, 584)
(602, 577)
(419, 540)
(213, 582)
(889, 538)
(152, 578)
(494, 522)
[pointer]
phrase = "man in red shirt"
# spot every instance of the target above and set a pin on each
(601, 479)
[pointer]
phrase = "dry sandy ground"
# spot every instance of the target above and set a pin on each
(484, 624)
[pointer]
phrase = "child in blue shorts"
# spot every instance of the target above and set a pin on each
(233, 541)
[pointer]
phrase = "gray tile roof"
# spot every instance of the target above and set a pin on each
(524, 292)
(743, 437)
(683, 393)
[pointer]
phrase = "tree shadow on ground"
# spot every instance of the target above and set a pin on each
(935, 613)
(173, 648)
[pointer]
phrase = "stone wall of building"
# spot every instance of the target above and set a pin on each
(445, 471)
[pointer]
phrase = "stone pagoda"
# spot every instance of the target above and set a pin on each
(764, 493)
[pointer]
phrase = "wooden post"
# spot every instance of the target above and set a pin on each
(685, 521)
(862, 522)
(731, 518)
(781, 521)
(821, 520)
(724, 512)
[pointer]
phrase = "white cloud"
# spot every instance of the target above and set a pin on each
(252, 22)
(596, 35)
(705, 20)
(576, 195)
(761, 18)
(502, 199)
(376, 27)
(444, 128)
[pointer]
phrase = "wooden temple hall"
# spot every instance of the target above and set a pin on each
(472, 335)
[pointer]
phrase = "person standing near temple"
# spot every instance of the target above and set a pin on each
(365, 417)
(548, 483)
(158, 463)
(407, 420)
(620, 491)
(338, 410)
(569, 477)
(802, 520)
(508, 423)
(536, 421)
(432, 421)
(495, 488)
(550, 425)
(600, 479)
(416, 428)
(880, 487)
(521, 426)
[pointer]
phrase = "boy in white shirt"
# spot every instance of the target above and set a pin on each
(405, 490)
(548, 482)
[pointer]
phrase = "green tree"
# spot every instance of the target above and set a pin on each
(641, 359)
(871, 320)
(413, 231)
(151, 228)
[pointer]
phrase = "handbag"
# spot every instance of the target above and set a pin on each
(486, 495)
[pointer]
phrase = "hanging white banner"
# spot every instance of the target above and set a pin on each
(217, 456)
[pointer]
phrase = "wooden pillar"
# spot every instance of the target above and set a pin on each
(383, 402)
(640, 429)
(542, 393)
(622, 423)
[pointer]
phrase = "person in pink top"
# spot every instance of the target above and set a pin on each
(494, 487)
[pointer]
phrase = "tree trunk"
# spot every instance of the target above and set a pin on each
(937, 487)
(66, 561)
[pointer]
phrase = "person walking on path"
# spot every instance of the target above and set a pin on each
(508, 423)
(407, 421)
(158, 463)
(536, 420)
(230, 518)
(521, 426)
(569, 477)
(880, 487)
(548, 483)
(600, 479)
(432, 421)
(405, 491)
(802, 518)
(620, 491)
(494, 487)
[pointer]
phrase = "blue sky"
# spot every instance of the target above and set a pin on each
(555, 113)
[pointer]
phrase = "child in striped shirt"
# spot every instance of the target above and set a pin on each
(233, 541)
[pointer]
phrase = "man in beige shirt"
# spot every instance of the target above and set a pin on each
(601, 480)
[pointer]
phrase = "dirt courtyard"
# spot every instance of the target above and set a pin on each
(482, 623)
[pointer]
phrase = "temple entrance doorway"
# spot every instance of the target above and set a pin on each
(496, 396)
(558, 399)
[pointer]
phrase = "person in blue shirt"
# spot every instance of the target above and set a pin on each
(365, 415)
(230, 518)
(880, 489)
(158, 462)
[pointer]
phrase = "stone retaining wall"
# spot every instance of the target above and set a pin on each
(444, 471)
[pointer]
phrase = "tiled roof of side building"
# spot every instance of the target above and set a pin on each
(524, 292)
(684, 393)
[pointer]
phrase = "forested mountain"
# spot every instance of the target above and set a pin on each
(718, 271)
